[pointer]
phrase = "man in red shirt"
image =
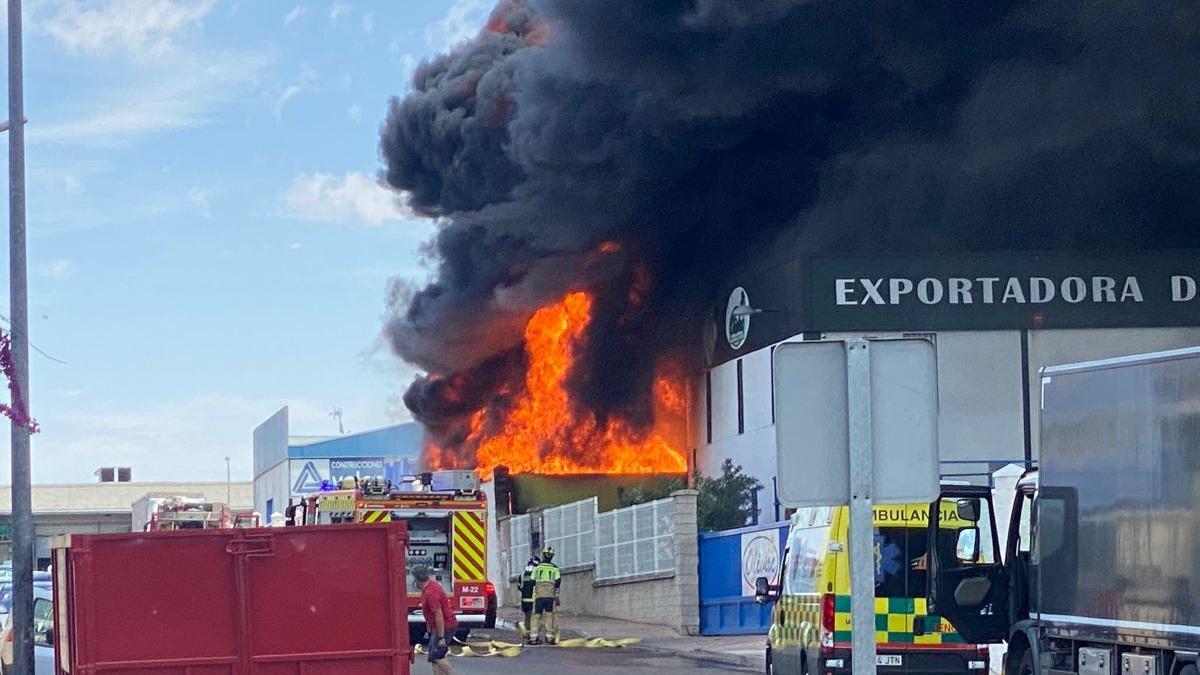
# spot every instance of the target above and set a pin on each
(439, 619)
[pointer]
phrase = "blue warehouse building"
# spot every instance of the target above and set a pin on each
(288, 467)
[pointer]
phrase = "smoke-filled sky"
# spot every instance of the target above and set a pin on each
(691, 131)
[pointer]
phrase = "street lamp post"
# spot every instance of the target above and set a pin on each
(228, 485)
(22, 511)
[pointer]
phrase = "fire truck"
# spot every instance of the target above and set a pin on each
(446, 514)
(170, 514)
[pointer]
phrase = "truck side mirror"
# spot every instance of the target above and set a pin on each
(967, 549)
(968, 510)
(762, 590)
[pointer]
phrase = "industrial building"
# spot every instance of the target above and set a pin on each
(995, 320)
(103, 507)
(288, 466)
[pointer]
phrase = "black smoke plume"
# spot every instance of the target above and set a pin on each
(691, 132)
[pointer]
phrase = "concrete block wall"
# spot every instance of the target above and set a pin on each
(667, 599)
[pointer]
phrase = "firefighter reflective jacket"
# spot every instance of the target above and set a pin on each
(546, 580)
(527, 583)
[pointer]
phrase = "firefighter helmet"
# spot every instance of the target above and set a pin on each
(548, 554)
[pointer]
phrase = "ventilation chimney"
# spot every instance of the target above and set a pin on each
(115, 474)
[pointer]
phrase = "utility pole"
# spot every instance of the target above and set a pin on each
(228, 484)
(22, 509)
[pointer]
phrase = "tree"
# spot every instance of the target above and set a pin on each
(728, 501)
(16, 409)
(642, 494)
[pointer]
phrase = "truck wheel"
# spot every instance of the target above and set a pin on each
(1189, 670)
(1025, 666)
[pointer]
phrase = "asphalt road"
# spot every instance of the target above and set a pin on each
(562, 661)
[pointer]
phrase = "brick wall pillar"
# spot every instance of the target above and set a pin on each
(687, 561)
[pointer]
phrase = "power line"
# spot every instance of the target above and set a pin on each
(35, 347)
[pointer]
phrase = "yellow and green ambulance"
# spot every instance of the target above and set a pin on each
(810, 631)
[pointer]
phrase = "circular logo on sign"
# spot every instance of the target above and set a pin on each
(760, 559)
(737, 323)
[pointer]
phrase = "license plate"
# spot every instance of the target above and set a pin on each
(889, 660)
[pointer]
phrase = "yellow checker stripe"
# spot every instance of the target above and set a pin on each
(470, 547)
(894, 623)
(796, 620)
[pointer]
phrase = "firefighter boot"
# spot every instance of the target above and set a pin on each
(535, 627)
(552, 626)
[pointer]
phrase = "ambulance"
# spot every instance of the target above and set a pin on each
(810, 631)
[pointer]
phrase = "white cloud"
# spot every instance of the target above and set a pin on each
(161, 101)
(355, 197)
(59, 269)
(462, 21)
(296, 13)
(71, 183)
(338, 10)
(368, 23)
(307, 81)
(179, 440)
(295, 246)
(199, 197)
(289, 93)
(354, 112)
(144, 28)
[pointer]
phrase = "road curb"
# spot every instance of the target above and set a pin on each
(748, 662)
(753, 663)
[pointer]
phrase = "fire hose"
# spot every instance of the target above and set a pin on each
(509, 650)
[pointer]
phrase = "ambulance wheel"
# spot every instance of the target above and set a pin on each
(1025, 666)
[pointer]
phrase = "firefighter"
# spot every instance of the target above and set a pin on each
(546, 582)
(527, 594)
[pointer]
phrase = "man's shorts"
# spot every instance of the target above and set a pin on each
(436, 652)
(543, 605)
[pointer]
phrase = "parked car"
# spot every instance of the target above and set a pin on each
(6, 592)
(43, 630)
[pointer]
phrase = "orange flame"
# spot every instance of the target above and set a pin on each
(544, 433)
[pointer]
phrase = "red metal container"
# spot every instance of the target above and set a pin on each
(268, 601)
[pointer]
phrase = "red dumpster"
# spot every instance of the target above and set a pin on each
(267, 601)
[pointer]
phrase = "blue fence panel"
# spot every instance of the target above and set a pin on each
(730, 561)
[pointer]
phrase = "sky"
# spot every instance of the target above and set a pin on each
(208, 239)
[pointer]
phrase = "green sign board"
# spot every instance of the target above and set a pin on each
(1002, 291)
(952, 292)
(5, 532)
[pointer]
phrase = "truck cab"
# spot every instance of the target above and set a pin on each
(1102, 556)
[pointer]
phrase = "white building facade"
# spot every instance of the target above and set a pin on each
(995, 322)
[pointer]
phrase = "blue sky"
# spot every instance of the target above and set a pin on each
(207, 238)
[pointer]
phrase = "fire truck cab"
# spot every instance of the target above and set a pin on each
(446, 513)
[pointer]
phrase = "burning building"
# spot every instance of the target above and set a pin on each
(615, 180)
